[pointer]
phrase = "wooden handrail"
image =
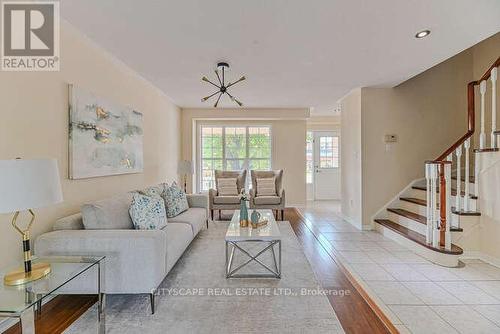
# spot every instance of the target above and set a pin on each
(442, 160)
(471, 113)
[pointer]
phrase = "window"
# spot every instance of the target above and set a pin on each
(232, 148)
(328, 152)
(309, 157)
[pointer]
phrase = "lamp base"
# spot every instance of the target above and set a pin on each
(19, 277)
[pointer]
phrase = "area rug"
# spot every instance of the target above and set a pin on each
(196, 297)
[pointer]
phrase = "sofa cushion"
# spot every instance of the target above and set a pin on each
(179, 236)
(175, 200)
(226, 199)
(108, 214)
(195, 217)
(267, 200)
(73, 222)
(148, 212)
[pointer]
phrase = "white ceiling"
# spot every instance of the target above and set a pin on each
(295, 53)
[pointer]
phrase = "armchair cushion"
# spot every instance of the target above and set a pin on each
(261, 174)
(239, 175)
(227, 186)
(266, 186)
(267, 200)
(226, 199)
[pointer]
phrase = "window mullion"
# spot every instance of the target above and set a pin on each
(224, 163)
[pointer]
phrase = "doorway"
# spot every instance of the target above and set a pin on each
(323, 165)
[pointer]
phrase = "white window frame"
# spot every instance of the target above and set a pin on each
(223, 125)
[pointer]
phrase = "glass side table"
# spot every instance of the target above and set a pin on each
(20, 301)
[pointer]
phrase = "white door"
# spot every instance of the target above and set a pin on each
(326, 165)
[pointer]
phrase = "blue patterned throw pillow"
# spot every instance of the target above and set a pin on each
(153, 190)
(148, 212)
(175, 200)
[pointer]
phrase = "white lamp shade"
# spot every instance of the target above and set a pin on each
(185, 167)
(28, 184)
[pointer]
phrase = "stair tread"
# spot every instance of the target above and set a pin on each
(417, 237)
(417, 201)
(453, 191)
(489, 149)
(423, 202)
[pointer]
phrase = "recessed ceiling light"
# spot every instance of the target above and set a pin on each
(422, 34)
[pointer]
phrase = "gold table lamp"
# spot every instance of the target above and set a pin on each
(28, 184)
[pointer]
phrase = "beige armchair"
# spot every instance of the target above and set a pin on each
(276, 202)
(217, 202)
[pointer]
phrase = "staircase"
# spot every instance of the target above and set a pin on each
(428, 215)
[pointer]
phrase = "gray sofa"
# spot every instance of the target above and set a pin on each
(137, 261)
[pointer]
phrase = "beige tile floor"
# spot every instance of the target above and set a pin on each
(417, 295)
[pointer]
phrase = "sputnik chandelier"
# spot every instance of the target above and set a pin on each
(222, 86)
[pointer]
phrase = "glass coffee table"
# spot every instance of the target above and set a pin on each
(267, 236)
(20, 301)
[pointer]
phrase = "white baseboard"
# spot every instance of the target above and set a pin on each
(481, 256)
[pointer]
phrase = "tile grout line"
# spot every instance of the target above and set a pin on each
(429, 306)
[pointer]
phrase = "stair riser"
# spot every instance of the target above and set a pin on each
(412, 207)
(462, 185)
(422, 210)
(408, 223)
(421, 194)
(446, 260)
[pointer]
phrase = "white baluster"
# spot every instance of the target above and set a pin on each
(436, 216)
(458, 198)
(447, 177)
(429, 212)
(482, 135)
(494, 106)
(467, 176)
(477, 168)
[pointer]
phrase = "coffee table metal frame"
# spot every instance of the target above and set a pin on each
(268, 236)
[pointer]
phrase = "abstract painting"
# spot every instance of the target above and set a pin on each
(105, 138)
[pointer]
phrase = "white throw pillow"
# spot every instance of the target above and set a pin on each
(148, 212)
(227, 187)
(266, 187)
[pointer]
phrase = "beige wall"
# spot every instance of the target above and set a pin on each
(427, 113)
(34, 124)
(288, 140)
(350, 148)
(324, 123)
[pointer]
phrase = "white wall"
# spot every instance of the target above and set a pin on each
(34, 124)
(351, 159)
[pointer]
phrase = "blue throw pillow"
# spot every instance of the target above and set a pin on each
(153, 190)
(175, 200)
(148, 212)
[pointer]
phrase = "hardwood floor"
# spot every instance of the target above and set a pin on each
(59, 313)
(354, 312)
